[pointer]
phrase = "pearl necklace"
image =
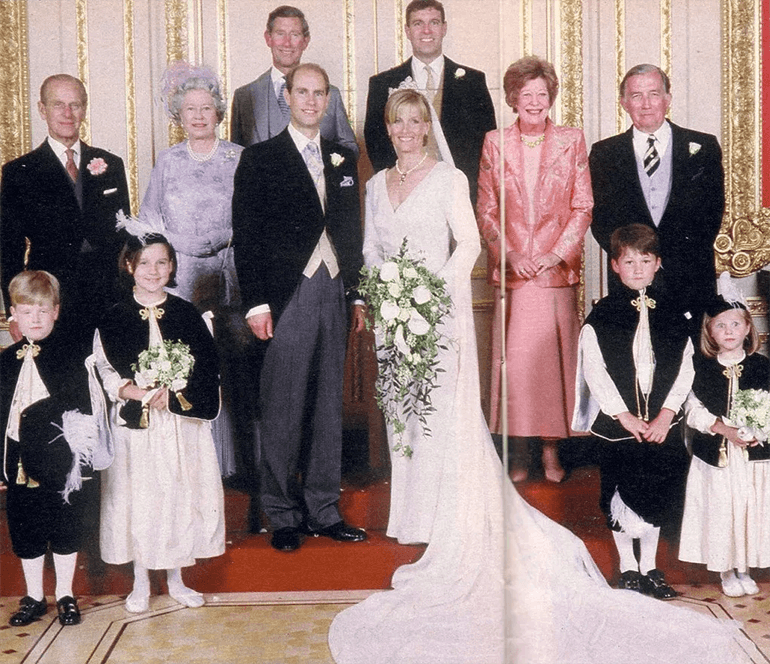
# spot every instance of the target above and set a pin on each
(403, 174)
(535, 143)
(203, 157)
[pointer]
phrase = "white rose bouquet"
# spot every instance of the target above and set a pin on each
(407, 303)
(166, 365)
(750, 412)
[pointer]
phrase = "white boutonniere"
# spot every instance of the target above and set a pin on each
(97, 166)
(694, 148)
(336, 158)
(460, 72)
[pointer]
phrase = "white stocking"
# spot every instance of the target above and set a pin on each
(139, 599)
(33, 576)
(180, 592)
(624, 543)
(648, 550)
(65, 572)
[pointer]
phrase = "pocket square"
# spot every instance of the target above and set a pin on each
(347, 181)
(107, 192)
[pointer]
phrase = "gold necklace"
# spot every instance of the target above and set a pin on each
(403, 174)
(535, 143)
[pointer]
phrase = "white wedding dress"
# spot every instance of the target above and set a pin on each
(499, 582)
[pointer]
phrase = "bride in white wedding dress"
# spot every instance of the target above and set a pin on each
(499, 582)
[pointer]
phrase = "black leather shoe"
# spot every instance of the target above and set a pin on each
(29, 611)
(69, 613)
(286, 539)
(654, 584)
(340, 532)
(631, 580)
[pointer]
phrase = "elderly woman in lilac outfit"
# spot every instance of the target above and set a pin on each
(190, 198)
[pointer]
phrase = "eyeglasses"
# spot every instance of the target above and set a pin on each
(60, 106)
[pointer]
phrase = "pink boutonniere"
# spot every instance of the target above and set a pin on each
(97, 166)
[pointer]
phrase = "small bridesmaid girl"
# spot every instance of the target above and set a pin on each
(162, 498)
(726, 522)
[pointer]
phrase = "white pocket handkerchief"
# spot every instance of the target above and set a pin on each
(107, 192)
(347, 181)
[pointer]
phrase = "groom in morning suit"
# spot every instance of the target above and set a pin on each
(297, 240)
(459, 95)
(668, 178)
(58, 206)
(259, 111)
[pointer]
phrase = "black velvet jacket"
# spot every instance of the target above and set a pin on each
(615, 320)
(125, 335)
(711, 386)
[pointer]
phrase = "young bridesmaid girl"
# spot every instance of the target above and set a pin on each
(162, 498)
(726, 522)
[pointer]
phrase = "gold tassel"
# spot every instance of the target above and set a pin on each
(184, 403)
(722, 462)
(21, 476)
(144, 420)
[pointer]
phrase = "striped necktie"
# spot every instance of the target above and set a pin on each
(282, 100)
(651, 157)
(70, 165)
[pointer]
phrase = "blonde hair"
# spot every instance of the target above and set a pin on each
(34, 287)
(709, 347)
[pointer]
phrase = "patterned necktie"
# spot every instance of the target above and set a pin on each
(70, 165)
(312, 156)
(282, 100)
(651, 157)
(430, 85)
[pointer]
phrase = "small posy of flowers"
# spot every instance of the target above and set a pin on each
(694, 148)
(97, 166)
(750, 413)
(407, 304)
(459, 72)
(166, 365)
(337, 159)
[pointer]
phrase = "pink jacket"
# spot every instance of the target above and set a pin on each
(562, 209)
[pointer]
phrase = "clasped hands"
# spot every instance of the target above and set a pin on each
(158, 401)
(731, 433)
(262, 324)
(652, 432)
(529, 268)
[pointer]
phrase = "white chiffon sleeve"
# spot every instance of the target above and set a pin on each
(465, 233)
(372, 246)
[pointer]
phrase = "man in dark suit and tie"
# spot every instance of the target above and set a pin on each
(459, 94)
(57, 209)
(297, 240)
(666, 177)
(259, 110)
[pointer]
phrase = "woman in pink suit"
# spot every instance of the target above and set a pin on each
(548, 203)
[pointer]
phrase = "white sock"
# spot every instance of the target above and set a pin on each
(731, 585)
(749, 585)
(648, 550)
(33, 577)
(65, 573)
(624, 543)
(139, 599)
(180, 592)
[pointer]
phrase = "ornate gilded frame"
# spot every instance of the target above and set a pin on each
(743, 244)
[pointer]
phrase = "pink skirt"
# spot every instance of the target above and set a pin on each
(541, 333)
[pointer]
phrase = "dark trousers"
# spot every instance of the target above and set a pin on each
(301, 404)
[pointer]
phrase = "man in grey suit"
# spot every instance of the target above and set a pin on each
(297, 240)
(259, 109)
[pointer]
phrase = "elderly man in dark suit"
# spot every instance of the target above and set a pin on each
(259, 110)
(459, 94)
(57, 209)
(297, 239)
(666, 177)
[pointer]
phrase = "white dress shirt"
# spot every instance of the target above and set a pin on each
(420, 76)
(60, 150)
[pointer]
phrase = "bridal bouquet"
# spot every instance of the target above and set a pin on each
(166, 365)
(407, 303)
(750, 412)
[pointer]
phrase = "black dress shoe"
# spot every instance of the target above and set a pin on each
(654, 584)
(29, 611)
(69, 613)
(631, 580)
(340, 532)
(286, 539)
